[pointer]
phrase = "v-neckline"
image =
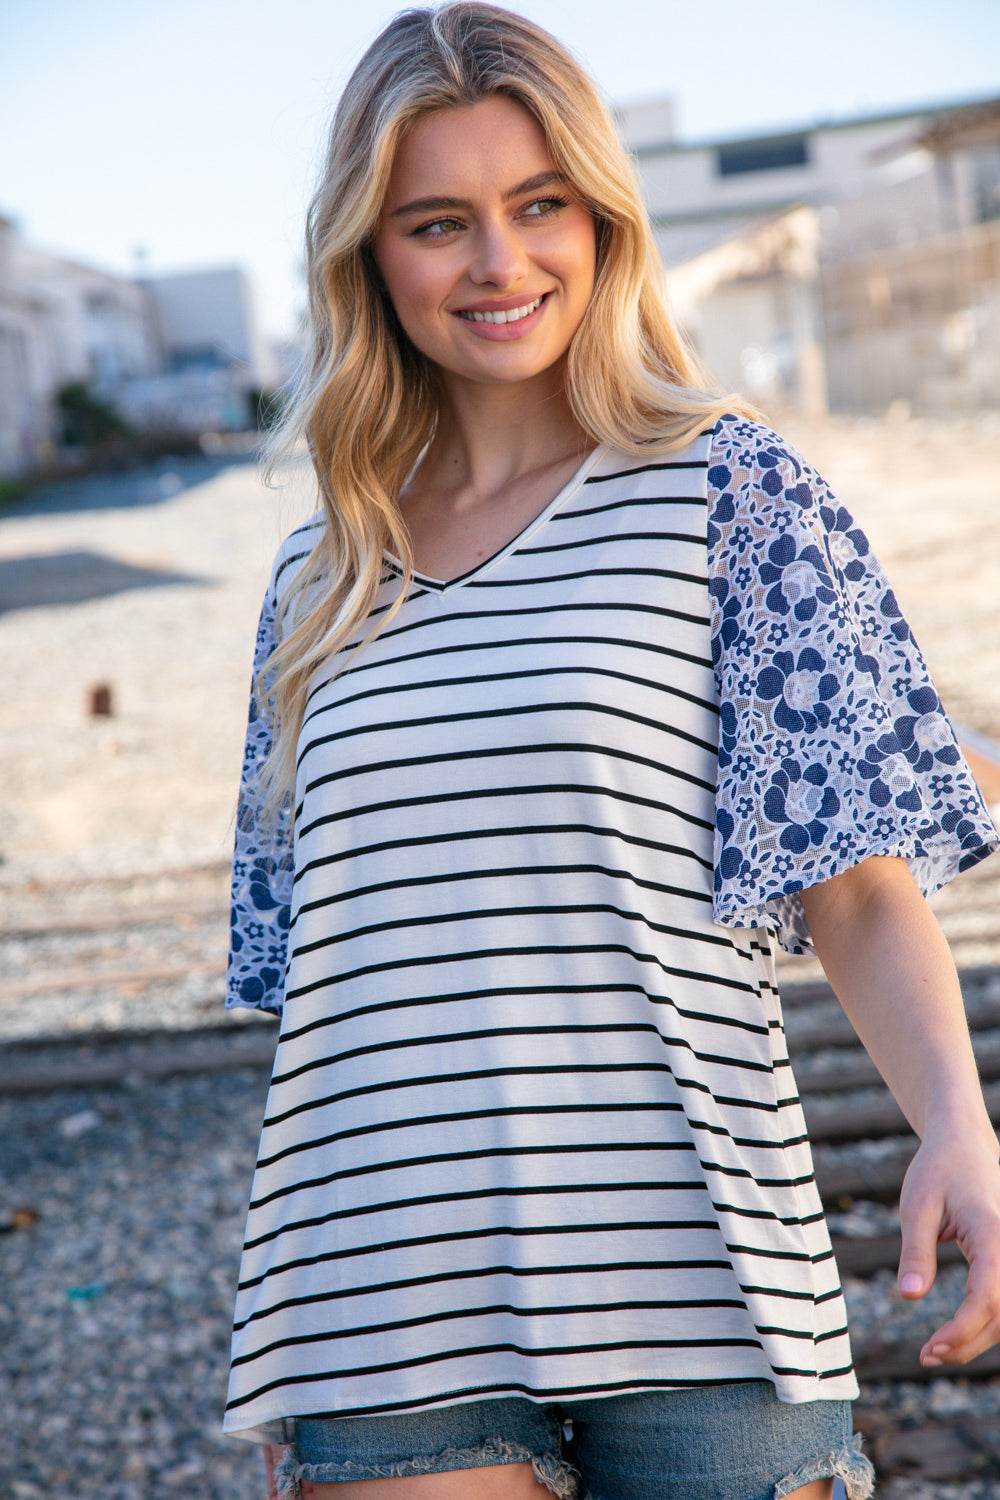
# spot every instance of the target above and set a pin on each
(446, 585)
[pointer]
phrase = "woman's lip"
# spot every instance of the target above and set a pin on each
(502, 304)
(501, 333)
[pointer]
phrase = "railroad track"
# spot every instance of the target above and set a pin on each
(120, 983)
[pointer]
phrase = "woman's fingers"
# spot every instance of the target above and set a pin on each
(953, 1194)
(921, 1215)
(976, 1325)
(963, 1339)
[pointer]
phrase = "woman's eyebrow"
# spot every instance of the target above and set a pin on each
(439, 204)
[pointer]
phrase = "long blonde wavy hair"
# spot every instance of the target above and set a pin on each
(366, 401)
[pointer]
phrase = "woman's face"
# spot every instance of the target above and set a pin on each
(486, 252)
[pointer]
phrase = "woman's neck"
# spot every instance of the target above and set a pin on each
(489, 437)
(494, 464)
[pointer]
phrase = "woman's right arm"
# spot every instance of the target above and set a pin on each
(262, 863)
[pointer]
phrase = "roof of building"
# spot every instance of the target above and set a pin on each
(936, 120)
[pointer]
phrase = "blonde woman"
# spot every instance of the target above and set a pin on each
(579, 688)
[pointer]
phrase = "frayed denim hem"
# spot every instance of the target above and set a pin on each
(847, 1464)
(557, 1477)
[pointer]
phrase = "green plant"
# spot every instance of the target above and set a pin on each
(86, 420)
(15, 488)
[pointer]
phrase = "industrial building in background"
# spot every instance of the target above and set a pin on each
(850, 266)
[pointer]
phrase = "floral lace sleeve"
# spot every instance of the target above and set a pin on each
(262, 869)
(833, 743)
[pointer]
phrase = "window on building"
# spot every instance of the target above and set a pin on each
(763, 155)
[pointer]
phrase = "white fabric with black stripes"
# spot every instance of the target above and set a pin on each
(532, 1128)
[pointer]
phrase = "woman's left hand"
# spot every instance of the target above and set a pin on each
(952, 1192)
(890, 966)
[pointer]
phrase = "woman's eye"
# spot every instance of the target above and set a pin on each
(542, 207)
(437, 228)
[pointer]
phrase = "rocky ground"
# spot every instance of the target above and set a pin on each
(149, 585)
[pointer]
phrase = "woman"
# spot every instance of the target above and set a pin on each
(571, 641)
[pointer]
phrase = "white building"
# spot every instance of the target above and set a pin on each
(176, 353)
(59, 322)
(24, 423)
(96, 326)
(762, 235)
(211, 355)
(700, 193)
(206, 320)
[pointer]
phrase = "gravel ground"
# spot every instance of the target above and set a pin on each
(128, 1205)
(115, 1332)
(150, 584)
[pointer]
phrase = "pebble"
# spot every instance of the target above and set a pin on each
(73, 1125)
(114, 1326)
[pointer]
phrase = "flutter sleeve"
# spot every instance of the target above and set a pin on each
(833, 744)
(262, 865)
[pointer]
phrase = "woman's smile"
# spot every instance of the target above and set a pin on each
(499, 323)
(499, 313)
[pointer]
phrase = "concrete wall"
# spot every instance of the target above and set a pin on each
(206, 318)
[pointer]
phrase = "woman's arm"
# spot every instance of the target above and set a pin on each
(262, 865)
(892, 971)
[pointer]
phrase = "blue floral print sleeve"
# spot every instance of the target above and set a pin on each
(833, 744)
(262, 867)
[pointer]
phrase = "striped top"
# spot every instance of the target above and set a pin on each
(532, 1127)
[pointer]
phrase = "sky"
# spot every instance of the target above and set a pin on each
(170, 135)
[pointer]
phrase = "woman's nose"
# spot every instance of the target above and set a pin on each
(499, 259)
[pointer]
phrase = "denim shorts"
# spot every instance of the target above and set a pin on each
(720, 1442)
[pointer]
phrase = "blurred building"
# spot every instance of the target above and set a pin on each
(24, 426)
(850, 264)
(210, 354)
(175, 354)
(59, 322)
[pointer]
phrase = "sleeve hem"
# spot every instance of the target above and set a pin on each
(781, 909)
(272, 1007)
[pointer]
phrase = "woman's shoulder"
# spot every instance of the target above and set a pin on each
(294, 549)
(754, 469)
(743, 438)
(762, 493)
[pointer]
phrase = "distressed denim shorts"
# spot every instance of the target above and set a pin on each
(720, 1442)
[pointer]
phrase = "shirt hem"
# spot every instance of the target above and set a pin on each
(842, 1386)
